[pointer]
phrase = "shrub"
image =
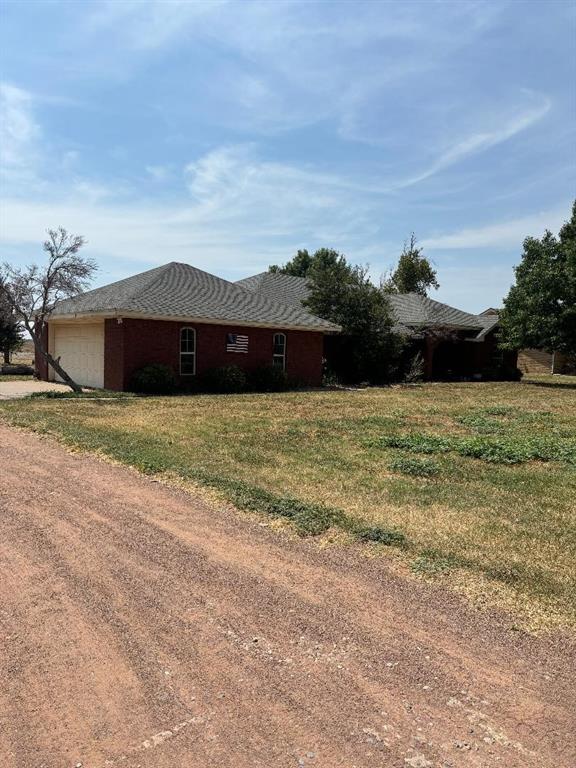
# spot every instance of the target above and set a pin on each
(268, 378)
(228, 379)
(155, 379)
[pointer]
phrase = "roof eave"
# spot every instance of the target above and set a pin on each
(328, 328)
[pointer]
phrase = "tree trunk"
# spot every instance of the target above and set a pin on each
(55, 364)
(6, 356)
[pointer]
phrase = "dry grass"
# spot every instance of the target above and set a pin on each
(503, 533)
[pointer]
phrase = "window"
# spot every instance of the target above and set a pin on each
(187, 352)
(279, 351)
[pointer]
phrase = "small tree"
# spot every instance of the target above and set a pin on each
(33, 292)
(11, 337)
(414, 273)
(341, 292)
(540, 309)
(299, 266)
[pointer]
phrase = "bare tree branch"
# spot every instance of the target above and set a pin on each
(33, 292)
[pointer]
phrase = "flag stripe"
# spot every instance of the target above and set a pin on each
(236, 342)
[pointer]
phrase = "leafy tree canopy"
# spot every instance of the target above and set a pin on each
(342, 293)
(299, 266)
(540, 309)
(413, 274)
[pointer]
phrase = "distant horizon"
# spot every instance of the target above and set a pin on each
(228, 135)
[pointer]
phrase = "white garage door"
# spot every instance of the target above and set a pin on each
(81, 351)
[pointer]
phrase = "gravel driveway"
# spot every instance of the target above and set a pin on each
(142, 627)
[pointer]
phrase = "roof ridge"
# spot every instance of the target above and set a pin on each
(450, 307)
(266, 301)
(158, 272)
(123, 280)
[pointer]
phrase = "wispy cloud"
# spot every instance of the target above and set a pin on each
(239, 208)
(484, 140)
(501, 235)
(152, 24)
(19, 132)
(230, 133)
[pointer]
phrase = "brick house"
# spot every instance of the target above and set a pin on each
(454, 344)
(186, 319)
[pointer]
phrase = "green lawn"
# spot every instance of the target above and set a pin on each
(472, 484)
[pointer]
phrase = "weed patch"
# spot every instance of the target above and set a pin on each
(493, 449)
(417, 443)
(382, 536)
(480, 423)
(431, 562)
(415, 467)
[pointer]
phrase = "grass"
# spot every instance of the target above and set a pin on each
(415, 467)
(89, 394)
(470, 484)
(10, 377)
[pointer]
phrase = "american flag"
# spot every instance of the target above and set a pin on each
(235, 342)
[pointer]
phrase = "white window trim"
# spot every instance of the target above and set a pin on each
(180, 353)
(276, 356)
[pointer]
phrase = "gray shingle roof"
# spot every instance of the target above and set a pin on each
(180, 290)
(411, 311)
(285, 288)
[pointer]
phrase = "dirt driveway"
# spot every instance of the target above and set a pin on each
(140, 627)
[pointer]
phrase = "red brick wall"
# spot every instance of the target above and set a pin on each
(134, 343)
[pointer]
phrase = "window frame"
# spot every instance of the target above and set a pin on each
(275, 355)
(186, 354)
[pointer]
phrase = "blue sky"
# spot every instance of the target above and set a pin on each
(230, 134)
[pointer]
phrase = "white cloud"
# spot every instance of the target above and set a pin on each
(483, 140)
(242, 210)
(19, 133)
(236, 174)
(502, 234)
(284, 65)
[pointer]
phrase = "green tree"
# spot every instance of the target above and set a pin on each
(298, 266)
(11, 336)
(540, 309)
(413, 274)
(341, 292)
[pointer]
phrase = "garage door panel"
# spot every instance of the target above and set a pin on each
(81, 351)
